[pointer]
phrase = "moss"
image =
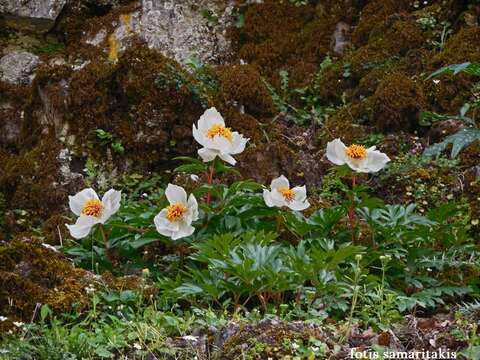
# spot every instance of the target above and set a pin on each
(460, 47)
(268, 339)
(452, 91)
(332, 85)
(242, 84)
(31, 274)
(397, 103)
(29, 179)
(14, 101)
(54, 229)
(346, 123)
(392, 41)
(373, 15)
(145, 101)
(470, 155)
(280, 36)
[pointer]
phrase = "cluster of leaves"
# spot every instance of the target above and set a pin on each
(465, 136)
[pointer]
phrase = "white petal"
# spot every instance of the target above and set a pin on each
(238, 143)
(298, 205)
(111, 201)
(357, 165)
(207, 155)
(199, 136)
(209, 118)
(77, 201)
(193, 207)
(280, 182)
(278, 199)
(376, 160)
(162, 224)
(176, 194)
(184, 231)
(227, 158)
(222, 144)
(267, 197)
(336, 152)
(300, 193)
(82, 227)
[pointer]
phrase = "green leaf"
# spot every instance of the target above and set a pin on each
(459, 140)
(44, 312)
(467, 67)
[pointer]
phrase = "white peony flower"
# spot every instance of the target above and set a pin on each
(281, 195)
(91, 210)
(216, 139)
(359, 158)
(175, 221)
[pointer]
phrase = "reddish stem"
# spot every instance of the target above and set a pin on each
(210, 181)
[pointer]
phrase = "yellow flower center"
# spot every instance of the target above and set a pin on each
(220, 130)
(176, 212)
(357, 152)
(287, 193)
(93, 207)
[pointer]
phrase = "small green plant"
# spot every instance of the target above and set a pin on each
(107, 139)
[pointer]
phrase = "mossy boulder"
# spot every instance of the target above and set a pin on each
(268, 339)
(242, 85)
(397, 103)
(31, 274)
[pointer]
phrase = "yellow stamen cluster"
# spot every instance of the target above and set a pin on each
(357, 152)
(93, 207)
(176, 212)
(220, 130)
(287, 193)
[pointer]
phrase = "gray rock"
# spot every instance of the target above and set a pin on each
(18, 67)
(180, 29)
(32, 15)
(340, 38)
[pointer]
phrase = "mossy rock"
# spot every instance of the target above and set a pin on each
(242, 84)
(30, 274)
(281, 36)
(374, 14)
(268, 339)
(348, 123)
(29, 179)
(397, 103)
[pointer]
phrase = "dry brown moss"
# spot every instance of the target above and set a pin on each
(242, 84)
(373, 16)
(397, 103)
(145, 100)
(267, 338)
(31, 274)
(29, 179)
(278, 35)
(460, 47)
(346, 123)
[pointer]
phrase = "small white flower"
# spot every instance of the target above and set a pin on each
(175, 221)
(295, 346)
(49, 247)
(18, 324)
(216, 139)
(3, 318)
(281, 195)
(137, 346)
(357, 157)
(190, 338)
(91, 210)
(194, 178)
